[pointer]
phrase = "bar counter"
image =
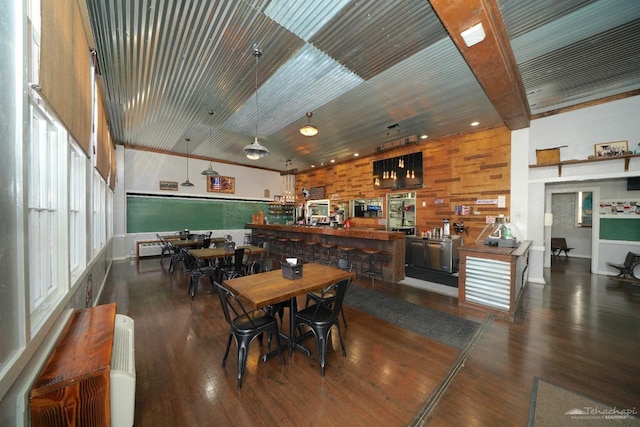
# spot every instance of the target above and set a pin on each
(391, 243)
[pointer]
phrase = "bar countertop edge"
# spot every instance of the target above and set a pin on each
(358, 233)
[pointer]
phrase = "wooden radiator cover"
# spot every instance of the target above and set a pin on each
(73, 387)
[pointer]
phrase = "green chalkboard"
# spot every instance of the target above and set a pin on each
(627, 229)
(156, 214)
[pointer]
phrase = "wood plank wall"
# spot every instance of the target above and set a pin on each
(458, 170)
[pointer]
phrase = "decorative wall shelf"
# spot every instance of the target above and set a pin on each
(626, 158)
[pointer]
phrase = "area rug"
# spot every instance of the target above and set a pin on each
(552, 406)
(446, 328)
(429, 275)
(437, 288)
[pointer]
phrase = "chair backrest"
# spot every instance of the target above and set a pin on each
(231, 303)
(191, 262)
(238, 258)
(559, 243)
(206, 242)
(629, 259)
(340, 290)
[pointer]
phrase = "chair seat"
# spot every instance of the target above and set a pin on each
(319, 315)
(258, 317)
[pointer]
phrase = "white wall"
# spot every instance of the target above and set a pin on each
(141, 171)
(580, 130)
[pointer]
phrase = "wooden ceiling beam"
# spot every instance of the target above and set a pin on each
(491, 60)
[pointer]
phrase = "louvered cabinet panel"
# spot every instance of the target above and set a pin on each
(491, 278)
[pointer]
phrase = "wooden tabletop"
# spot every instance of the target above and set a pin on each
(210, 253)
(186, 243)
(260, 290)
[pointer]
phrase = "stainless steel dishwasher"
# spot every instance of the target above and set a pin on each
(442, 254)
(418, 252)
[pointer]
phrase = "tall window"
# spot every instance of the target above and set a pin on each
(77, 211)
(99, 212)
(48, 280)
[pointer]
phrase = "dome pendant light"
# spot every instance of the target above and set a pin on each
(210, 171)
(256, 151)
(187, 183)
(309, 129)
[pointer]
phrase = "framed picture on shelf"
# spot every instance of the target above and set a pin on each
(611, 149)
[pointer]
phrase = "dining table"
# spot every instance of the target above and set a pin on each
(208, 254)
(212, 253)
(269, 288)
(186, 243)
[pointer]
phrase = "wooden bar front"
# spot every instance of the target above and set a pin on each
(391, 243)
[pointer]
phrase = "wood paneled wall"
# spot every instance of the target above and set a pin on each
(458, 170)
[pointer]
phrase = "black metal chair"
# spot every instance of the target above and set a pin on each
(165, 247)
(245, 326)
(197, 271)
(177, 257)
(320, 318)
(235, 265)
(328, 296)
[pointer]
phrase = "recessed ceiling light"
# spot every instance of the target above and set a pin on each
(333, 161)
(475, 123)
(313, 166)
(355, 154)
(424, 136)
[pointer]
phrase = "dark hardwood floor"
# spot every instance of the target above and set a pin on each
(579, 331)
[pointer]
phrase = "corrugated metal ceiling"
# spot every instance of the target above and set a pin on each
(360, 66)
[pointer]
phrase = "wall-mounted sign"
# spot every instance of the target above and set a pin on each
(169, 185)
(221, 184)
(316, 193)
(487, 202)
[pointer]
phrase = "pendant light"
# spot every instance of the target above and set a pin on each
(210, 171)
(187, 183)
(309, 129)
(256, 151)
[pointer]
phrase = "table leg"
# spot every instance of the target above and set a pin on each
(290, 341)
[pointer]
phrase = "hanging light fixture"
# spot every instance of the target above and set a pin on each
(288, 179)
(256, 151)
(309, 129)
(187, 183)
(210, 171)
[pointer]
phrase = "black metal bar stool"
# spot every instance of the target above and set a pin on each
(309, 250)
(344, 257)
(271, 244)
(373, 259)
(326, 253)
(295, 247)
(283, 246)
(248, 238)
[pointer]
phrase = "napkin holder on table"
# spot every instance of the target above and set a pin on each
(291, 269)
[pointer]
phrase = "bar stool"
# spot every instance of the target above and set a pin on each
(295, 247)
(271, 244)
(309, 250)
(258, 239)
(283, 246)
(326, 253)
(248, 238)
(372, 257)
(344, 256)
